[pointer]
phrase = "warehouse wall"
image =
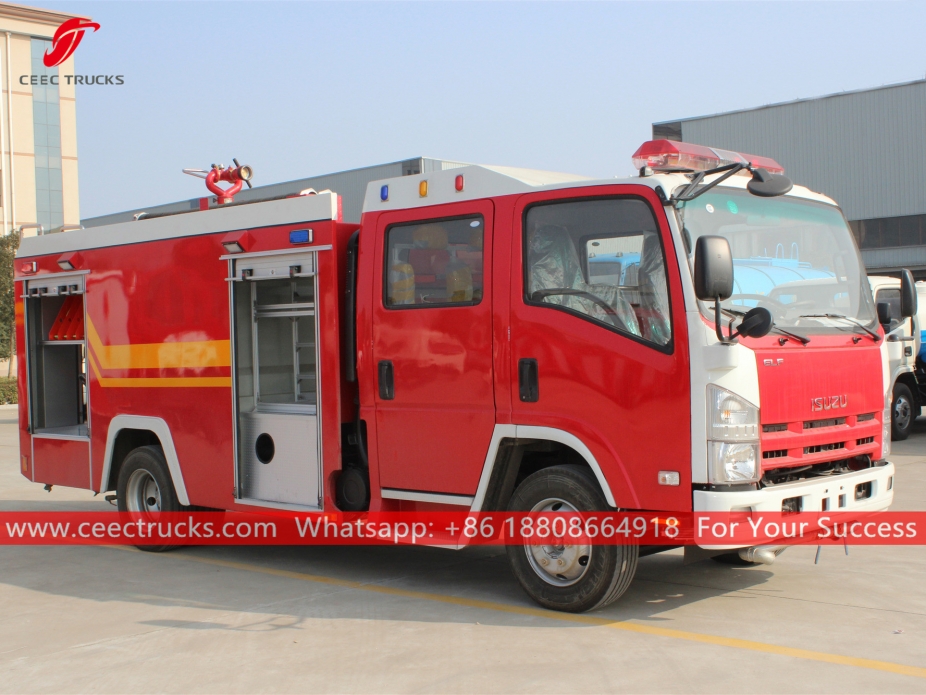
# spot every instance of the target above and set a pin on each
(865, 149)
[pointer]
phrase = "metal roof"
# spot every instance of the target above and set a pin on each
(309, 208)
(774, 105)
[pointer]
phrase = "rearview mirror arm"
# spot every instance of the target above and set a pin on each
(718, 325)
(691, 191)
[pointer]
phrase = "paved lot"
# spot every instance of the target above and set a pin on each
(430, 620)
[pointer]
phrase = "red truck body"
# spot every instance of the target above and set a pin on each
(176, 323)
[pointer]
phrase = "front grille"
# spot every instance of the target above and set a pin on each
(832, 422)
(864, 440)
(824, 447)
(774, 428)
(776, 454)
(866, 417)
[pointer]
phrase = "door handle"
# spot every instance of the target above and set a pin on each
(528, 382)
(386, 381)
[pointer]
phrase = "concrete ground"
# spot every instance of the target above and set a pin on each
(400, 620)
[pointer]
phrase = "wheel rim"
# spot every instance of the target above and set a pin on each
(902, 412)
(143, 493)
(558, 565)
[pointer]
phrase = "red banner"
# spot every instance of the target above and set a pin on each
(717, 529)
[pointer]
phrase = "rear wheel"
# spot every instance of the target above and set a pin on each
(902, 412)
(572, 578)
(145, 488)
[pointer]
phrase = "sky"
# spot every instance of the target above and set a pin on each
(297, 89)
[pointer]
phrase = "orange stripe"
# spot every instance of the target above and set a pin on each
(193, 354)
(156, 382)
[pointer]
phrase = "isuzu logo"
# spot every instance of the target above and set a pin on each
(828, 403)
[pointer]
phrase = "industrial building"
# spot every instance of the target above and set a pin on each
(350, 185)
(866, 149)
(38, 125)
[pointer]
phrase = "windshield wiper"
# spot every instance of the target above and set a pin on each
(852, 321)
(803, 340)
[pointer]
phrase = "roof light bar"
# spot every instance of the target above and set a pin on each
(666, 155)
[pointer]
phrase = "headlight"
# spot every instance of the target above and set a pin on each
(732, 418)
(734, 463)
(733, 438)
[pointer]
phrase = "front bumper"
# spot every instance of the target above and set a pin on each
(836, 494)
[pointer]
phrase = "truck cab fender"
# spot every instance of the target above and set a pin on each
(536, 433)
(160, 429)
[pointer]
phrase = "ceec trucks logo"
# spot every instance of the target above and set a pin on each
(66, 40)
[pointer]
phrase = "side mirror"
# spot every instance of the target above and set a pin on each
(907, 294)
(884, 315)
(713, 268)
(766, 185)
(713, 275)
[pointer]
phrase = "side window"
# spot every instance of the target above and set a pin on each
(434, 263)
(601, 259)
(891, 296)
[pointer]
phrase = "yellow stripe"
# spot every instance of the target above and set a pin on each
(166, 382)
(178, 355)
(750, 645)
(157, 382)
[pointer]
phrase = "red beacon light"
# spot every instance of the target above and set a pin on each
(667, 155)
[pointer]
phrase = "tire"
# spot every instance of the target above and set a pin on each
(353, 490)
(579, 586)
(903, 412)
(145, 488)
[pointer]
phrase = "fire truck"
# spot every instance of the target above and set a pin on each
(487, 338)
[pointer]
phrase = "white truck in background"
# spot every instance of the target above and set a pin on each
(903, 340)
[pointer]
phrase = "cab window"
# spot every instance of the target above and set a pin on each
(434, 263)
(601, 259)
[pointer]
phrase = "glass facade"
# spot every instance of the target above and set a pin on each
(46, 123)
(890, 232)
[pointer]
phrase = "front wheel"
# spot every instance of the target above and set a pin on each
(572, 578)
(902, 412)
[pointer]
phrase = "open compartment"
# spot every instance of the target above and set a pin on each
(276, 379)
(57, 356)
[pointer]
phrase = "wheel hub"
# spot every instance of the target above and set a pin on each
(902, 412)
(143, 493)
(559, 565)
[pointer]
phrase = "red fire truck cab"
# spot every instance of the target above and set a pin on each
(487, 338)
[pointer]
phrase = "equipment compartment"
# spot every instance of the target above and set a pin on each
(56, 356)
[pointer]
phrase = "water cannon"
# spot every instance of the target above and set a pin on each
(237, 176)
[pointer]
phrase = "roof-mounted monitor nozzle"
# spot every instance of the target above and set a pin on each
(237, 176)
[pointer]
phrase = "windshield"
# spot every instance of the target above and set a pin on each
(795, 257)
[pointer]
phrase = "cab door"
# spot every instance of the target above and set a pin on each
(432, 350)
(599, 345)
